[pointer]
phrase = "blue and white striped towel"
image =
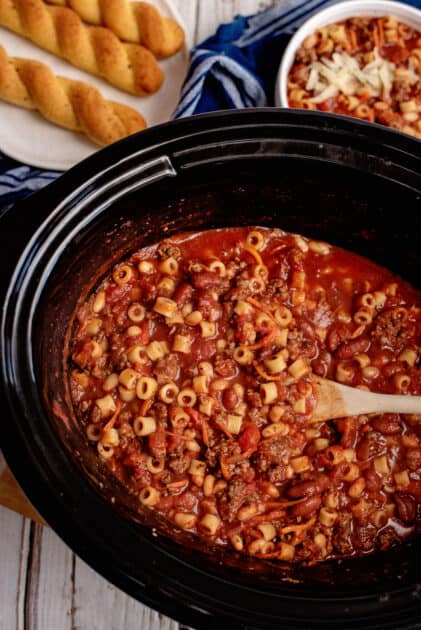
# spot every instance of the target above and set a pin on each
(235, 68)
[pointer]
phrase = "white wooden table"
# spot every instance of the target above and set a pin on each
(43, 585)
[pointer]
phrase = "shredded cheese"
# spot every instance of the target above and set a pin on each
(329, 77)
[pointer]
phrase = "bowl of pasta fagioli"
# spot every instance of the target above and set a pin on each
(360, 59)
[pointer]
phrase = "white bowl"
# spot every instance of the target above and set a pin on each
(335, 13)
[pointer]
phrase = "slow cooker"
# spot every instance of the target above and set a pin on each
(350, 183)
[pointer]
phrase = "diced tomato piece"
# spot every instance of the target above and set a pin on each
(157, 443)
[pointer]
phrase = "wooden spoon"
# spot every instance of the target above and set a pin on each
(336, 401)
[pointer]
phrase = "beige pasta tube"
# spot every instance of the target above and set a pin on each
(146, 387)
(166, 307)
(144, 425)
(149, 496)
(209, 524)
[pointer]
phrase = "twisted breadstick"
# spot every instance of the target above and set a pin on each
(97, 50)
(138, 22)
(71, 104)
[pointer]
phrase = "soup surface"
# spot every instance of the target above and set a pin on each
(369, 68)
(191, 375)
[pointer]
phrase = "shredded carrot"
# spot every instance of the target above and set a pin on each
(274, 515)
(376, 38)
(347, 45)
(177, 484)
(224, 468)
(112, 420)
(222, 427)
(253, 251)
(263, 374)
(234, 459)
(205, 434)
(358, 331)
(260, 306)
(278, 249)
(145, 406)
(354, 42)
(264, 340)
(299, 528)
(177, 435)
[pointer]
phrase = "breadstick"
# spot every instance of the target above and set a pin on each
(71, 104)
(95, 49)
(138, 22)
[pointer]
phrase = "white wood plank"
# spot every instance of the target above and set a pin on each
(188, 10)
(49, 583)
(212, 13)
(113, 607)
(14, 544)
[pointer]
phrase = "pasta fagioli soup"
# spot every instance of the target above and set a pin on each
(191, 371)
(369, 68)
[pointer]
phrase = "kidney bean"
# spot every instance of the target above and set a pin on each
(413, 458)
(406, 506)
(322, 481)
(249, 438)
(183, 293)
(347, 427)
(304, 489)
(351, 348)
(373, 482)
(335, 337)
(321, 364)
(371, 446)
(229, 398)
(387, 424)
(339, 470)
(206, 279)
(307, 507)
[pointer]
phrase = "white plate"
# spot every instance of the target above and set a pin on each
(29, 138)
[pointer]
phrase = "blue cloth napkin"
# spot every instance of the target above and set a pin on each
(235, 68)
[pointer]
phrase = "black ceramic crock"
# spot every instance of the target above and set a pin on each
(353, 184)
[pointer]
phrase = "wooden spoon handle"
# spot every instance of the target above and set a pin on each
(336, 401)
